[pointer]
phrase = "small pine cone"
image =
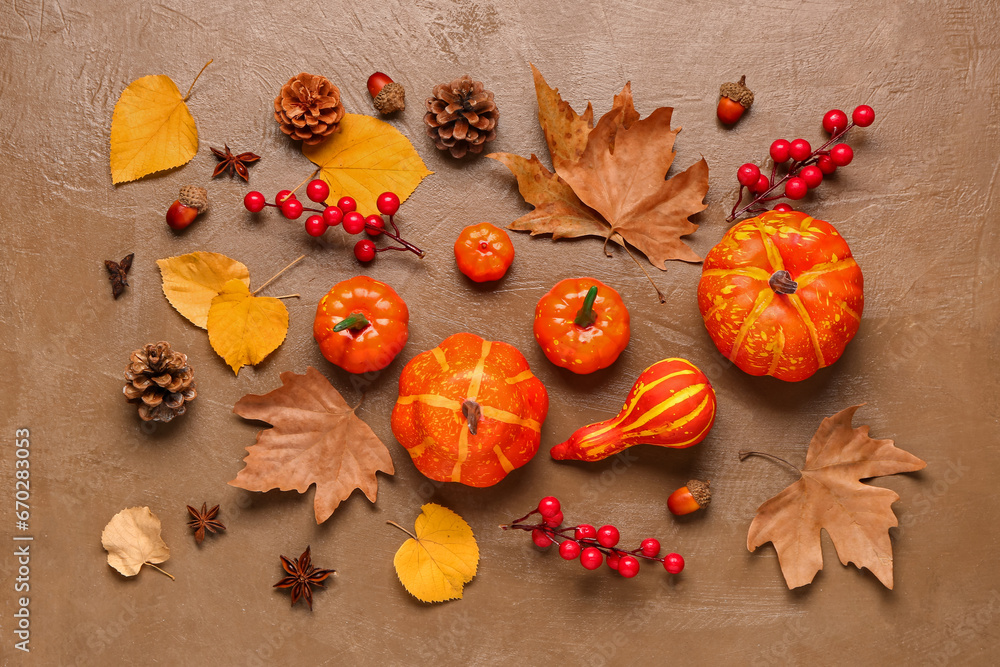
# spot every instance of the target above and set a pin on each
(160, 381)
(308, 108)
(461, 116)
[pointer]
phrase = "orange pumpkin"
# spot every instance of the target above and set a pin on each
(781, 295)
(469, 411)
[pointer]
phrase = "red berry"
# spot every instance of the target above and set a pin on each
(374, 225)
(834, 121)
(387, 203)
(549, 506)
(540, 539)
(782, 208)
(811, 175)
(800, 150)
(628, 566)
(332, 215)
(613, 559)
(281, 196)
(863, 115)
(779, 150)
(364, 250)
(354, 222)
(554, 520)
(748, 174)
(180, 216)
(347, 204)
(254, 202)
(315, 225)
(585, 531)
(762, 185)
(608, 536)
(673, 563)
(826, 164)
(376, 82)
(318, 191)
(795, 188)
(841, 154)
(591, 558)
(650, 547)
(569, 550)
(291, 209)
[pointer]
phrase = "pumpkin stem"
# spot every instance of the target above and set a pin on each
(472, 412)
(586, 316)
(354, 322)
(782, 283)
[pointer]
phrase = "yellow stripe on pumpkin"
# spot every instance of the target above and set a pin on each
(810, 327)
(630, 406)
(654, 412)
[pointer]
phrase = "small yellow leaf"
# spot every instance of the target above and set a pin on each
(243, 328)
(436, 564)
(366, 158)
(151, 129)
(132, 539)
(191, 281)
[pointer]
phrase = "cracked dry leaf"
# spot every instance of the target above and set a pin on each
(440, 557)
(132, 539)
(243, 328)
(830, 496)
(315, 438)
(191, 281)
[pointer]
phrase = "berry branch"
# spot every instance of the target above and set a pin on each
(591, 545)
(807, 169)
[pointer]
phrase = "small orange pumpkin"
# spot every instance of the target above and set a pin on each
(469, 411)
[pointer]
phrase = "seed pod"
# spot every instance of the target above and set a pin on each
(689, 498)
(734, 99)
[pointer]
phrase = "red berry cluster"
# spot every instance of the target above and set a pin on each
(592, 546)
(346, 212)
(808, 167)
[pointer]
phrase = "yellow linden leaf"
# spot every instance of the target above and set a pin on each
(439, 558)
(132, 539)
(151, 129)
(366, 158)
(243, 328)
(191, 281)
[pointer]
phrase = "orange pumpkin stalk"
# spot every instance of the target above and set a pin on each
(582, 324)
(361, 325)
(781, 295)
(469, 411)
(671, 404)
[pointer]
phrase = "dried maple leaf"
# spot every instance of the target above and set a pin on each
(617, 178)
(316, 438)
(132, 539)
(302, 576)
(440, 557)
(831, 496)
(204, 520)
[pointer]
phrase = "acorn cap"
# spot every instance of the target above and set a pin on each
(391, 98)
(737, 92)
(699, 491)
(194, 196)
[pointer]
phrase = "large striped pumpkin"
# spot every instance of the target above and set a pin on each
(781, 295)
(672, 404)
(469, 410)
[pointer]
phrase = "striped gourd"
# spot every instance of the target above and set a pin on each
(672, 404)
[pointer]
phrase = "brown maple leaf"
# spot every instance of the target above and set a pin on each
(830, 496)
(302, 576)
(612, 185)
(316, 438)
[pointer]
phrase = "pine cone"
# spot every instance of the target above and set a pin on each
(461, 116)
(308, 108)
(160, 381)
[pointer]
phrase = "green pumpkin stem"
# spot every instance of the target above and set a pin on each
(586, 315)
(354, 322)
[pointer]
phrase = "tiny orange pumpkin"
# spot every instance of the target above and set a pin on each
(483, 252)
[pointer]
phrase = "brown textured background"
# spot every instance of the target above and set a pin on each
(919, 207)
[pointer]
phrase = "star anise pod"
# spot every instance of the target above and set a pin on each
(302, 576)
(204, 519)
(231, 163)
(118, 273)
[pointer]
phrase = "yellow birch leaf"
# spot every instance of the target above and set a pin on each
(132, 539)
(440, 557)
(151, 129)
(191, 281)
(366, 158)
(242, 328)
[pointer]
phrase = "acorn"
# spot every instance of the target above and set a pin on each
(389, 96)
(734, 99)
(191, 201)
(689, 498)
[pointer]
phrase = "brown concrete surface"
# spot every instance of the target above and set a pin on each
(919, 207)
